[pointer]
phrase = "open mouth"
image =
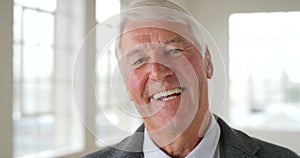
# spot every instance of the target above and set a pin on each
(168, 95)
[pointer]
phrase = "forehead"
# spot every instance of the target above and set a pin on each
(134, 33)
(149, 36)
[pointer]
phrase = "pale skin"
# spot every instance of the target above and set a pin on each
(156, 60)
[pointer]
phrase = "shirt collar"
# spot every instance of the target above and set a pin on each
(208, 146)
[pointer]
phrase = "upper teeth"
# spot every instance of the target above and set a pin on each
(167, 93)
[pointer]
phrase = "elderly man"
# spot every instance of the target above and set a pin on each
(166, 63)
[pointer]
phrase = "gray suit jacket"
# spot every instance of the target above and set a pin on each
(233, 144)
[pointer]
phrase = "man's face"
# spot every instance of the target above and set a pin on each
(166, 77)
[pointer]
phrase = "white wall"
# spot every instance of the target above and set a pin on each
(214, 15)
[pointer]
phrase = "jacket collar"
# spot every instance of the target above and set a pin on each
(234, 143)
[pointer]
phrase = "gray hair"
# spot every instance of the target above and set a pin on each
(157, 11)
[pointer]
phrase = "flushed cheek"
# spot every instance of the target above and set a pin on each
(196, 68)
(136, 84)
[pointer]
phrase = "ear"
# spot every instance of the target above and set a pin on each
(209, 64)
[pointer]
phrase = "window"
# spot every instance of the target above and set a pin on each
(42, 110)
(113, 119)
(264, 79)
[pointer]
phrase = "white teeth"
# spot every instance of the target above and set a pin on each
(169, 98)
(158, 96)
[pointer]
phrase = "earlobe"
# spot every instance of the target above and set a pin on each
(209, 64)
(209, 73)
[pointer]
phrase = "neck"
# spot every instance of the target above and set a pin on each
(187, 141)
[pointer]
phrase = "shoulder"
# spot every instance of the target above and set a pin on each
(268, 149)
(124, 149)
(131, 146)
(237, 143)
(106, 152)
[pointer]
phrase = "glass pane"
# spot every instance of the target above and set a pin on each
(38, 28)
(37, 62)
(17, 23)
(30, 99)
(106, 9)
(264, 58)
(104, 64)
(46, 5)
(37, 98)
(33, 134)
(27, 3)
(17, 62)
(46, 97)
(112, 123)
(17, 99)
(43, 118)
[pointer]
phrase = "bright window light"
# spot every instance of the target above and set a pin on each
(264, 77)
(44, 123)
(106, 9)
(112, 124)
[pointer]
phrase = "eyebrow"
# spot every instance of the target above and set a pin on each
(132, 52)
(175, 39)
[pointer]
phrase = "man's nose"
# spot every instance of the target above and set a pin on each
(159, 71)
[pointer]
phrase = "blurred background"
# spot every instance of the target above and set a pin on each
(256, 86)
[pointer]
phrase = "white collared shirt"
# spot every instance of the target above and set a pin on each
(208, 146)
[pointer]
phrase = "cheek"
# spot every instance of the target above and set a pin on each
(136, 83)
(198, 67)
(201, 80)
(190, 69)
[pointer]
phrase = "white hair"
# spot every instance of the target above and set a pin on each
(157, 11)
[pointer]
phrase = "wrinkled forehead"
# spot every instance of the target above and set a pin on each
(160, 18)
(135, 33)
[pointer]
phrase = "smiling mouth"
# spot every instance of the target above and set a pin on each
(168, 95)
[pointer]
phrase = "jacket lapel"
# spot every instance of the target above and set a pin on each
(131, 147)
(234, 143)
